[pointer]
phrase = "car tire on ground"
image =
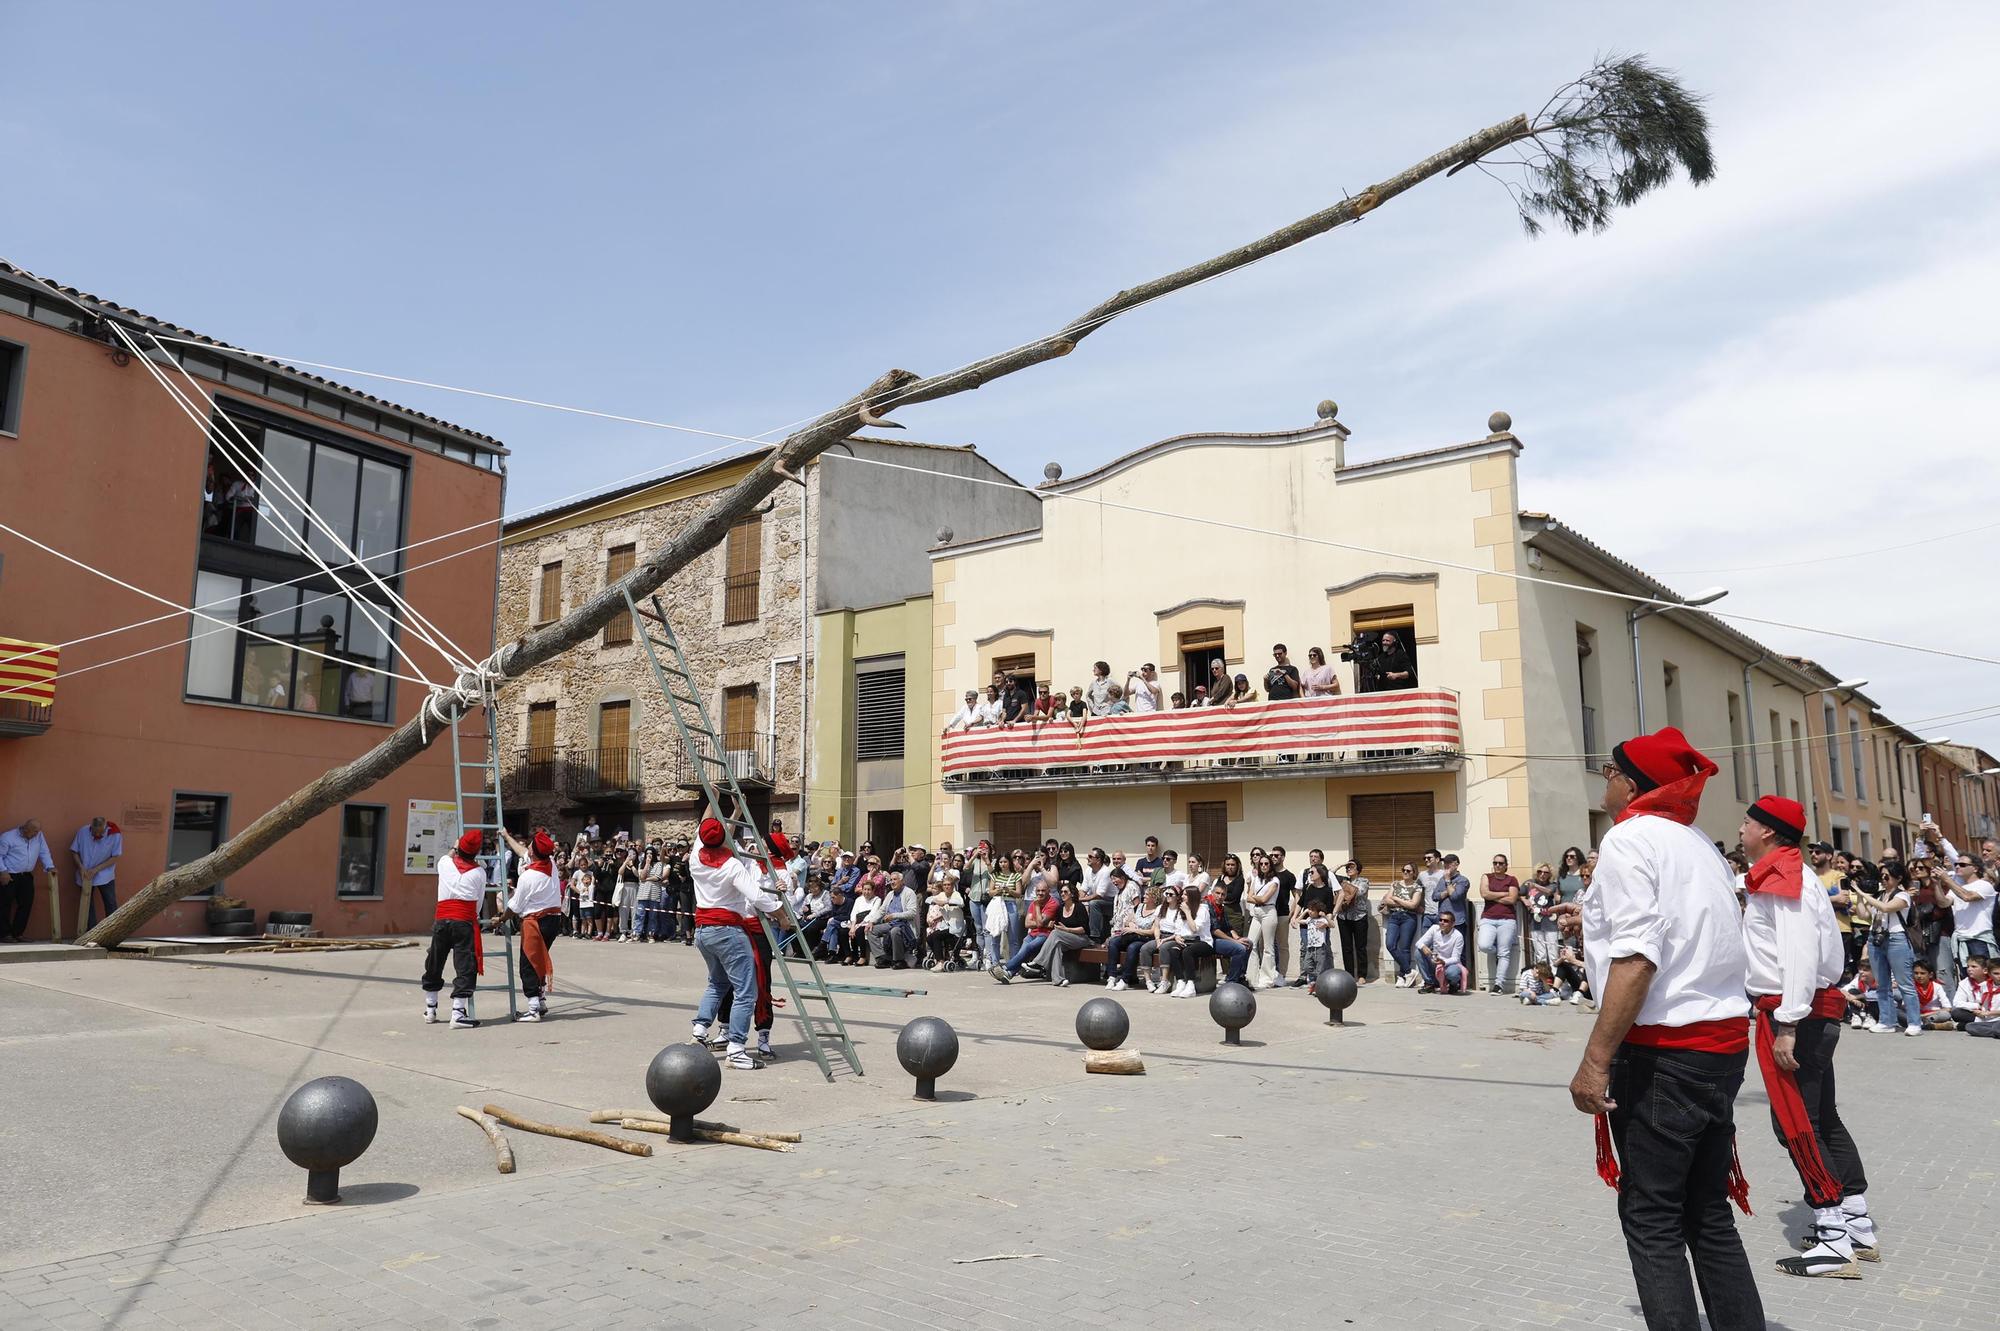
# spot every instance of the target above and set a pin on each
(234, 915)
(290, 917)
(242, 929)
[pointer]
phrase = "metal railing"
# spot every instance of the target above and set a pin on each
(18, 716)
(585, 772)
(752, 760)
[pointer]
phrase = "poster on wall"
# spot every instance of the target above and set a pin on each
(433, 831)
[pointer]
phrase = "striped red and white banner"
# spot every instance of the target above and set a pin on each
(1415, 719)
(28, 670)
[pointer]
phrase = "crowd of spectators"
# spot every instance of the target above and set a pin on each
(1919, 933)
(1381, 661)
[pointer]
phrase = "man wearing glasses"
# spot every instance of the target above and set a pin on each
(1663, 948)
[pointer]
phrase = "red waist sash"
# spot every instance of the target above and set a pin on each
(1788, 1107)
(715, 916)
(1724, 1035)
(1828, 1003)
(468, 911)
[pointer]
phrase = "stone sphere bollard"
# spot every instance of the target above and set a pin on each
(681, 1081)
(1233, 1007)
(1102, 1024)
(927, 1048)
(327, 1124)
(1336, 989)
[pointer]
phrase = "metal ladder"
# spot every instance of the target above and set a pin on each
(724, 797)
(472, 809)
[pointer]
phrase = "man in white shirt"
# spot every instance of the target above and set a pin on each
(455, 932)
(729, 894)
(21, 849)
(536, 903)
(1142, 689)
(967, 717)
(1964, 885)
(1443, 949)
(1663, 948)
(1793, 956)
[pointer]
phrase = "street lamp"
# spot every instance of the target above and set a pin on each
(1637, 613)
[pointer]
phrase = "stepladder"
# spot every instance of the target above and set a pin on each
(809, 996)
(476, 782)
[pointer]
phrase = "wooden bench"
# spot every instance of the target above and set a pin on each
(1087, 965)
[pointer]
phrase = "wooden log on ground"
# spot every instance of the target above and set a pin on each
(727, 1138)
(503, 1154)
(1122, 1062)
(604, 1139)
(652, 1116)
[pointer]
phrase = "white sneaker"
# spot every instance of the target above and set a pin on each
(1117, 984)
(1880, 1028)
(1111, 982)
(739, 1058)
(1576, 998)
(430, 1014)
(1860, 1023)
(1913, 1030)
(1185, 989)
(1152, 986)
(699, 1035)
(532, 1014)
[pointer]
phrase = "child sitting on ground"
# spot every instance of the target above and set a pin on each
(1860, 995)
(1978, 997)
(1931, 1000)
(1538, 986)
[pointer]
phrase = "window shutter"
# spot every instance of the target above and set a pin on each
(1016, 831)
(743, 568)
(878, 713)
(739, 717)
(1208, 833)
(616, 565)
(1391, 830)
(550, 608)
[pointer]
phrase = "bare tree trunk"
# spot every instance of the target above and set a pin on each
(896, 388)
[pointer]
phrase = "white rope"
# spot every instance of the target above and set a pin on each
(117, 581)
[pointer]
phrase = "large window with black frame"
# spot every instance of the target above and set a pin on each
(292, 638)
(1383, 650)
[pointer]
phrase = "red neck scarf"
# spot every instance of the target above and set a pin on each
(464, 865)
(1778, 874)
(1926, 991)
(1679, 800)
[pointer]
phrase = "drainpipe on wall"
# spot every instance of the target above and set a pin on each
(1750, 728)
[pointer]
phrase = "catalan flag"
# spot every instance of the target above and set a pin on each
(28, 670)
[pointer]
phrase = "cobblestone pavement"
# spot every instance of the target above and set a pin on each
(1421, 1167)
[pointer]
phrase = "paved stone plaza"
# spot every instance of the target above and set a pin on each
(1420, 1168)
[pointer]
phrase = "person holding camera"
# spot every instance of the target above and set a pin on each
(1281, 680)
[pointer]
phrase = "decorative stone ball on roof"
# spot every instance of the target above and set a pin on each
(1053, 471)
(1499, 422)
(1328, 409)
(944, 535)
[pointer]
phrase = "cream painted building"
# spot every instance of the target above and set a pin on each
(1421, 545)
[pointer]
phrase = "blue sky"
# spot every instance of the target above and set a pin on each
(731, 216)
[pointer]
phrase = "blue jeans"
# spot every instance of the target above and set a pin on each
(108, 894)
(1496, 939)
(1454, 976)
(1236, 954)
(732, 968)
(1017, 928)
(1026, 952)
(1896, 981)
(1400, 933)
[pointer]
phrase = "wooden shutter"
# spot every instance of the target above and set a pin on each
(739, 717)
(878, 710)
(614, 726)
(541, 746)
(550, 607)
(616, 565)
(1016, 831)
(1389, 831)
(743, 569)
(1023, 666)
(1208, 833)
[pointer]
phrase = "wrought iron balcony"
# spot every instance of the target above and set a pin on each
(1413, 729)
(18, 716)
(751, 758)
(588, 773)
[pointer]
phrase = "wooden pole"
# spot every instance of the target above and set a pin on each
(649, 1116)
(729, 1137)
(503, 1154)
(604, 1139)
(1120, 1062)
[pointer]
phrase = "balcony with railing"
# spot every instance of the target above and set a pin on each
(1401, 731)
(586, 772)
(752, 758)
(18, 716)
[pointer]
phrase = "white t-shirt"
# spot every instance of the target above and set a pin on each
(1143, 696)
(1973, 917)
(1446, 949)
(1096, 882)
(1662, 893)
(536, 891)
(460, 885)
(1791, 947)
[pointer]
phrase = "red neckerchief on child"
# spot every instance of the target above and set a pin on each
(1778, 874)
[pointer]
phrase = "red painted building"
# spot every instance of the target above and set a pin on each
(210, 727)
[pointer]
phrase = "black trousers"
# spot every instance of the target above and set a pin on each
(552, 927)
(1817, 1039)
(453, 938)
(17, 901)
(1675, 1130)
(1354, 947)
(1184, 955)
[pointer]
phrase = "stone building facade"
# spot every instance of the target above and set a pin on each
(591, 734)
